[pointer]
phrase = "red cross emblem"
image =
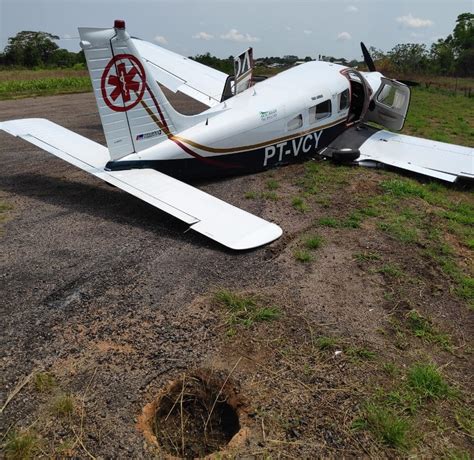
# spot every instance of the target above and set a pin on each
(123, 82)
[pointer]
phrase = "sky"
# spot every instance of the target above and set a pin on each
(227, 27)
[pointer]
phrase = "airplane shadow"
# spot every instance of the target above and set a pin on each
(106, 202)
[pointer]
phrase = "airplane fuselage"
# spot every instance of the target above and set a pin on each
(281, 120)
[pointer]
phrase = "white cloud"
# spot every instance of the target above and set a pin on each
(235, 36)
(344, 36)
(288, 28)
(66, 37)
(307, 32)
(352, 9)
(161, 40)
(203, 36)
(414, 23)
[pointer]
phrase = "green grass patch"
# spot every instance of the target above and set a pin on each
(325, 343)
(272, 184)
(43, 86)
(251, 195)
(423, 328)
(403, 188)
(314, 242)
(427, 382)
(300, 204)
(20, 445)
(245, 310)
(352, 221)
(386, 425)
(328, 222)
(391, 270)
(400, 227)
(441, 116)
(302, 255)
(271, 196)
(391, 369)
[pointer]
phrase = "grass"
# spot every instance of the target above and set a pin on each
(328, 222)
(245, 310)
(386, 425)
(325, 343)
(300, 204)
(400, 227)
(360, 353)
(391, 414)
(415, 213)
(314, 242)
(427, 382)
(63, 405)
(251, 195)
(272, 184)
(423, 328)
(352, 221)
(14, 89)
(272, 196)
(391, 270)
(302, 255)
(391, 369)
(440, 116)
(44, 382)
(20, 445)
(465, 420)
(367, 256)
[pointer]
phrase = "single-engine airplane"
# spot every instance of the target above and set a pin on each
(317, 108)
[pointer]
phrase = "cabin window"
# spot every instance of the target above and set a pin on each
(320, 111)
(344, 100)
(296, 122)
(391, 97)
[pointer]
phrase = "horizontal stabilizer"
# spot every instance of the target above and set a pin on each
(214, 218)
(179, 73)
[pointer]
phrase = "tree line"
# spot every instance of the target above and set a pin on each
(32, 49)
(451, 56)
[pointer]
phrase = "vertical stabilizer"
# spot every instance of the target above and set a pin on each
(134, 112)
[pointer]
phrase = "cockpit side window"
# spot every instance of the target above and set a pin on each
(320, 111)
(344, 101)
(296, 122)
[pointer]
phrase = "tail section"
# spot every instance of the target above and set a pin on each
(135, 113)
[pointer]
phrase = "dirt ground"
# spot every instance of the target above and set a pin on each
(113, 299)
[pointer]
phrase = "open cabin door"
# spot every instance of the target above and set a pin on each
(390, 105)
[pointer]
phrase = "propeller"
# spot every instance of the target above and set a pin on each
(368, 58)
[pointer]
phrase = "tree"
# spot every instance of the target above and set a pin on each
(442, 57)
(409, 58)
(30, 49)
(463, 34)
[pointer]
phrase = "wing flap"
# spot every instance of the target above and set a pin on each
(214, 218)
(431, 158)
(179, 73)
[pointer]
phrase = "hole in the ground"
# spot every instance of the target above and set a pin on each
(196, 415)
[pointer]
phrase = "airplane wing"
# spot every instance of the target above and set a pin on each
(179, 73)
(448, 162)
(214, 218)
(423, 156)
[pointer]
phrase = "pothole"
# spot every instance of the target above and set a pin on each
(195, 415)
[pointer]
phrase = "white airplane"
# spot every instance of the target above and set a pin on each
(317, 108)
